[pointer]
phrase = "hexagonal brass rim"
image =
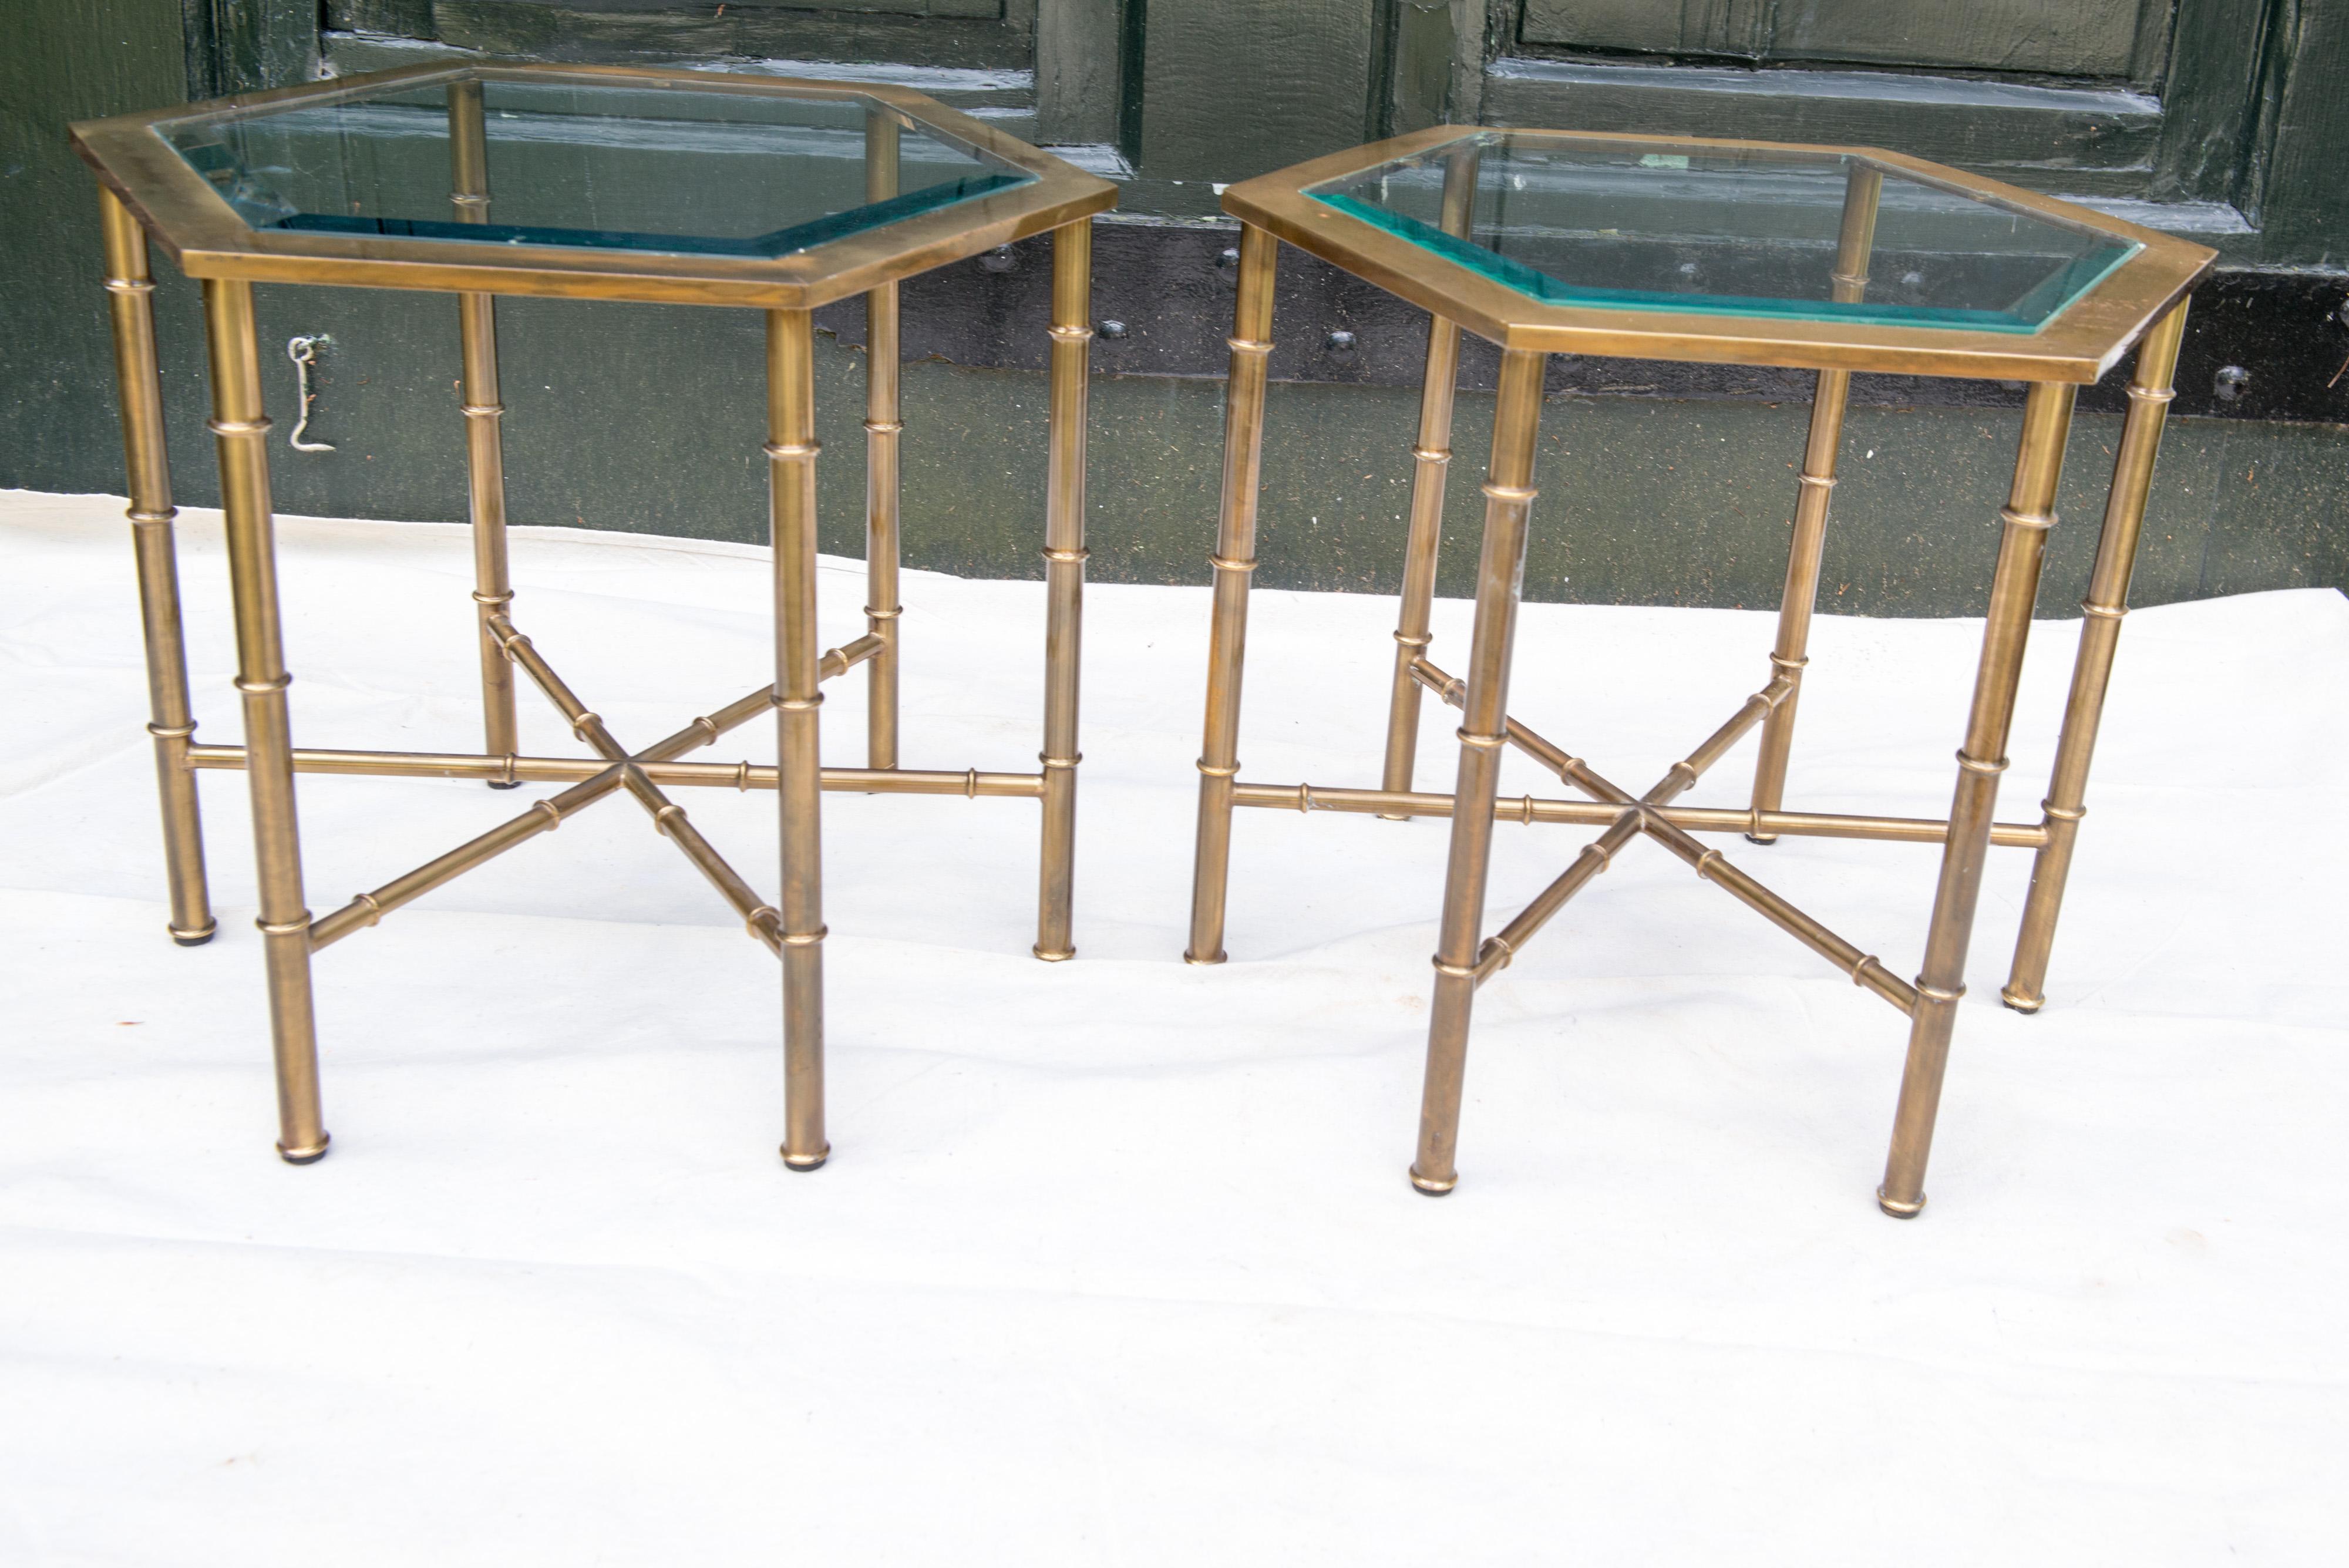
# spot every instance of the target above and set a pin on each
(192, 221)
(2082, 341)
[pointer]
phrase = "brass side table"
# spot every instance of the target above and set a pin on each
(570, 182)
(1826, 258)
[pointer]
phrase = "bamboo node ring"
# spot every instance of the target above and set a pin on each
(1411, 640)
(1225, 563)
(873, 613)
(1432, 454)
(787, 451)
(1515, 495)
(1705, 864)
(1052, 762)
(172, 731)
(293, 927)
(1937, 993)
(883, 427)
(259, 425)
(801, 704)
(1075, 557)
(1974, 766)
(1488, 743)
(374, 909)
(482, 411)
(1457, 971)
(2041, 520)
(2064, 813)
(148, 519)
(806, 938)
(551, 812)
(2103, 612)
(1214, 772)
(498, 599)
(262, 688)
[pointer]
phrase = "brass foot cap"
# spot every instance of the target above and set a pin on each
(1761, 838)
(1433, 1189)
(1398, 817)
(1899, 1209)
(1202, 962)
(305, 1155)
(195, 938)
(1063, 956)
(2020, 1001)
(801, 1162)
(502, 783)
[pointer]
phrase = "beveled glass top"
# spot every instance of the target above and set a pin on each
(1754, 232)
(645, 167)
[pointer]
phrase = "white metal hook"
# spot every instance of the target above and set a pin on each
(304, 352)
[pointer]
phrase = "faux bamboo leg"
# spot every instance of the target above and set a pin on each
(2028, 514)
(243, 432)
(170, 719)
(1234, 559)
(1064, 583)
(1431, 458)
(484, 444)
(790, 478)
(1787, 659)
(1500, 572)
(882, 428)
(2100, 633)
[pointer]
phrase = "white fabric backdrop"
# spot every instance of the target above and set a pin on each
(1115, 1262)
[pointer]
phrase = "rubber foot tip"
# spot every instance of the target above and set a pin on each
(195, 938)
(1063, 956)
(1433, 1189)
(1202, 962)
(306, 1156)
(1899, 1209)
(1761, 839)
(504, 783)
(2021, 1003)
(805, 1163)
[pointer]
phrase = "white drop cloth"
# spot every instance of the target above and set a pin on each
(1115, 1262)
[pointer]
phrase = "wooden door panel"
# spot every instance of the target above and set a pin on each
(2050, 38)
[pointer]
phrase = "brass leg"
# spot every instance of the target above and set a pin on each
(1848, 283)
(1431, 457)
(170, 719)
(881, 428)
(1064, 582)
(791, 477)
(1234, 559)
(1787, 656)
(2100, 633)
(2029, 513)
(1500, 572)
(243, 441)
(484, 446)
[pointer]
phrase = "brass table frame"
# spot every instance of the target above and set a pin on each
(146, 189)
(2142, 302)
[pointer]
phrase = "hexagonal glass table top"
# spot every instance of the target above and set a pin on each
(1726, 230)
(613, 166)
